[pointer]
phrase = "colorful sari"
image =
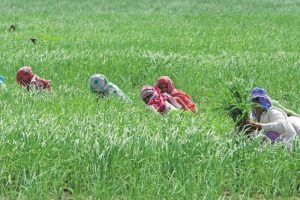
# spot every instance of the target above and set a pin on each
(181, 97)
(161, 102)
(28, 79)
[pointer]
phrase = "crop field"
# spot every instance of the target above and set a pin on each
(63, 144)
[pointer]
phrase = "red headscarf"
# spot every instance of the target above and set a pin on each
(181, 97)
(157, 100)
(25, 77)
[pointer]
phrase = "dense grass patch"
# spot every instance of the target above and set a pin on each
(65, 144)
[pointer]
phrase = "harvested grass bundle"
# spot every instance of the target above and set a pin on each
(234, 102)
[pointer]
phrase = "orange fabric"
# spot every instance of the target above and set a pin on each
(181, 97)
(185, 101)
(183, 105)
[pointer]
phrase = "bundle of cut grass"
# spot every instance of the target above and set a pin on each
(234, 102)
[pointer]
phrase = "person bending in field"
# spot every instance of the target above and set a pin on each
(165, 85)
(262, 91)
(157, 101)
(273, 121)
(2, 82)
(28, 79)
(103, 88)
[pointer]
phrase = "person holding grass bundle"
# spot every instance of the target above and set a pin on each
(157, 101)
(28, 79)
(258, 90)
(103, 88)
(166, 85)
(274, 122)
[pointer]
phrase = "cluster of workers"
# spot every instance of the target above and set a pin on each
(268, 118)
(163, 97)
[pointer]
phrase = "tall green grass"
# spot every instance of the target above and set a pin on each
(64, 144)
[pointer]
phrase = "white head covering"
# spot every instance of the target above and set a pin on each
(98, 83)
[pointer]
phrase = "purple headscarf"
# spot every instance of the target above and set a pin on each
(262, 96)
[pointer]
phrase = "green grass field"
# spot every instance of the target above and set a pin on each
(64, 144)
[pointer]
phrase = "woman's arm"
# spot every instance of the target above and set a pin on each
(278, 122)
(173, 102)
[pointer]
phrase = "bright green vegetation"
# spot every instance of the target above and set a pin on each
(64, 144)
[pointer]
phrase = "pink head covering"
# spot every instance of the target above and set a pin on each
(181, 97)
(165, 80)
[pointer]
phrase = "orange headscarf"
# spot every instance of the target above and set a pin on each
(181, 97)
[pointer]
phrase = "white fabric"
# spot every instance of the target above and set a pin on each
(276, 120)
(295, 121)
(175, 105)
(169, 107)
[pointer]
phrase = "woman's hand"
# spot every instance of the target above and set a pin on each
(254, 125)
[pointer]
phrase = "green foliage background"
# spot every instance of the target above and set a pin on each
(64, 144)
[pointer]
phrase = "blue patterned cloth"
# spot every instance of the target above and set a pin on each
(2, 79)
(262, 96)
(101, 86)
